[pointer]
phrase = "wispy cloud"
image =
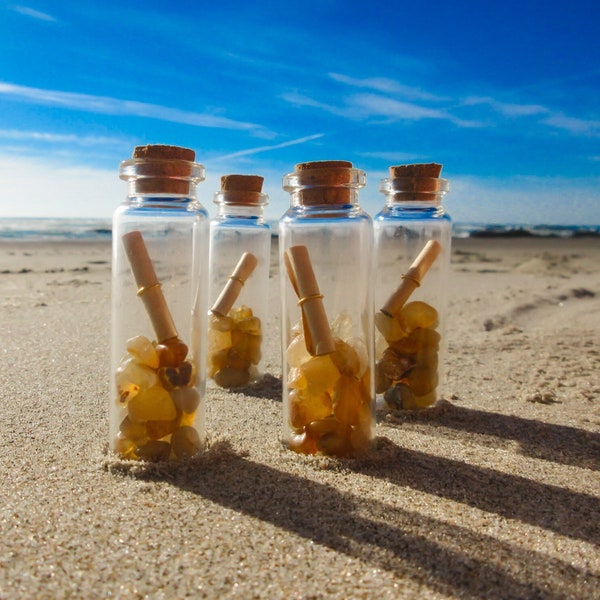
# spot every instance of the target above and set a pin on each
(34, 14)
(115, 106)
(374, 105)
(574, 125)
(57, 138)
(387, 86)
(508, 109)
(250, 151)
(393, 157)
(371, 106)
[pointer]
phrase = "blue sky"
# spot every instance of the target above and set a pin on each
(506, 95)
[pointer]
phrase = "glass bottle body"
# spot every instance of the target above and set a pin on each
(157, 385)
(328, 399)
(410, 341)
(235, 338)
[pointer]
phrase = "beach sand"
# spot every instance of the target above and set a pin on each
(493, 493)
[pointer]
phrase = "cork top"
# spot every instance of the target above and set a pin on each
(241, 190)
(162, 169)
(164, 152)
(419, 181)
(416, 170)
(324, 182)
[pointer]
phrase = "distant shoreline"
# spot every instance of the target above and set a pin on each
(65, 229)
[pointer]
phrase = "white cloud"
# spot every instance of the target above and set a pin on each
(115, 106)
(574, 125)
(34, 14)
(251, 151)
(385, 85)
(394, 157)
(368, 106)
(58, 138)
(508, 109)
(373, 105)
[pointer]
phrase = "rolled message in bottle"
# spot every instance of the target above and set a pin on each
(149, 289)
(412, 278)
(317, 333)
(234, 285)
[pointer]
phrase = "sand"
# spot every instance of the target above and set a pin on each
(493, 493)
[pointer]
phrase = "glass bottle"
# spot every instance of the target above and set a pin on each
(240, 245)
(160, 236)
(413, 235)
(325, 248)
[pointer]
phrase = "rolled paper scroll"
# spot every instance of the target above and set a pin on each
(317, 332)
(412, 278)
(149, 289)
(234, 285)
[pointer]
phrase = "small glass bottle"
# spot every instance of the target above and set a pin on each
(325, 247)
(413, 235)
(239, 258)
(160, 236)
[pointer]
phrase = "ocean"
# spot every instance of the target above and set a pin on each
(63, 229)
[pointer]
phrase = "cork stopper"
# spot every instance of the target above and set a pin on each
(325, 182)
(417, 181)
(161, 169)
(164, 152)
(417, 170)
(241, 189)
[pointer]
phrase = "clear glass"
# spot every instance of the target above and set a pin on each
(157, 385)
(328, 400)
(410, 344)
(235, 338)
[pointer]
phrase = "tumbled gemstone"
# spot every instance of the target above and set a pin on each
(218, 340)
(171, 353)
(418, 402)
(296, 352)
(153, 404)
(399, 396)
(342, 326)
(181, 376)
(131, 377)
(422, 380)
(348, 397)
(250, 325)
(240, 313)
(231, 378)
(345, 358)
(133, 431)
(304, 407)
(220, 323)
(159, 429)
(335, 444)
(154, 451)
(216, 361)
(186, 399)
(142, 349)
(393, 365)
(124, 446)
(417, 314)
(185, 442)
(302, 443)
(321, 374)
(296, 379)
(389, 327)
